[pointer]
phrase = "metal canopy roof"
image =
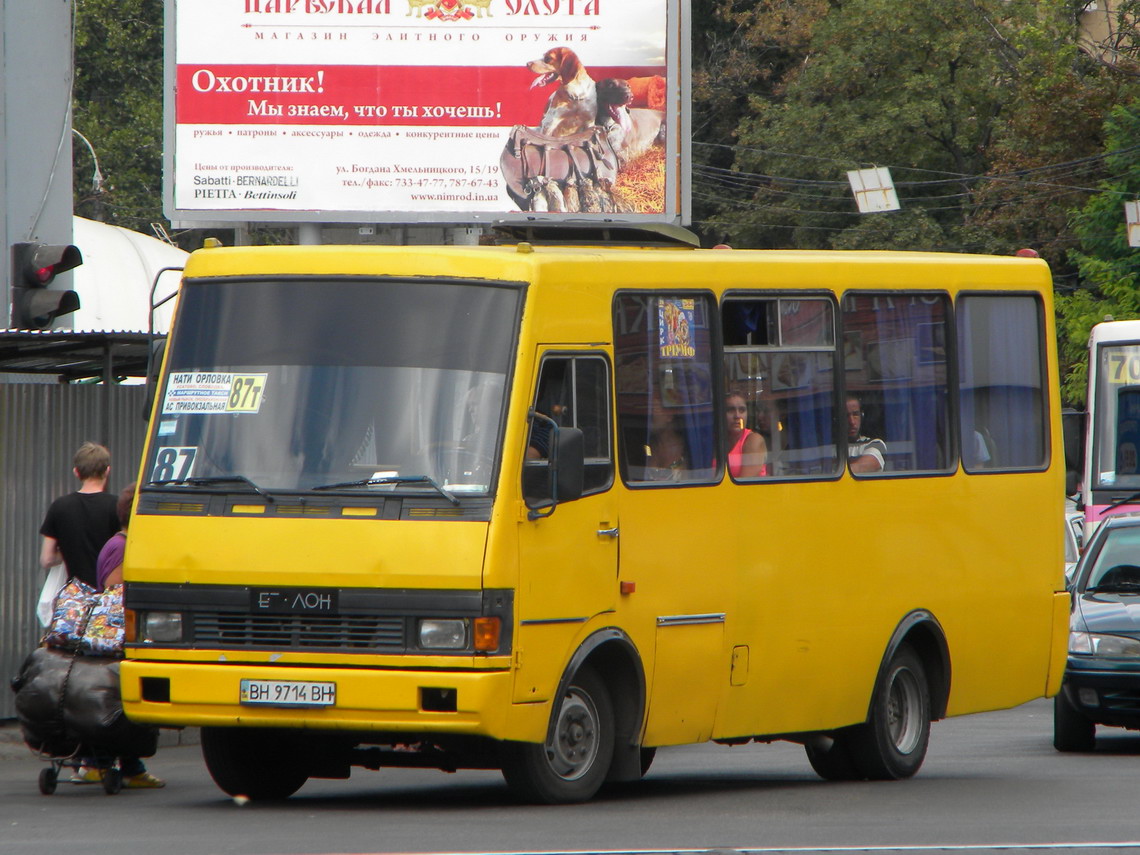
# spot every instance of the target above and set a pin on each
(75, 355)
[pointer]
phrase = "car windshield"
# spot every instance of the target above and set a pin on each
(1116, 566)
(336, 385)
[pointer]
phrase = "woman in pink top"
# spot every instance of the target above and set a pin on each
(747, 451)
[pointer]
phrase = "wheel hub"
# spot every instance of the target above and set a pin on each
(903, 708)
(575, 745)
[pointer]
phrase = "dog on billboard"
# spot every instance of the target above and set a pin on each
(573, 106)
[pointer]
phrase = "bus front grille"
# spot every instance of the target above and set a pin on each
(356, 632)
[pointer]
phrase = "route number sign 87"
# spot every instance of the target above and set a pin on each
(173, 463)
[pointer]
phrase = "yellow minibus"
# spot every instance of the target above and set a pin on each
(549, 505)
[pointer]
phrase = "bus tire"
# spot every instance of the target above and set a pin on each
(831, 758)
(1072, 731)
(572, 764)
(259, 765)
(892, 743)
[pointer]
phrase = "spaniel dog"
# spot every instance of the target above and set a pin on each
(573, 106)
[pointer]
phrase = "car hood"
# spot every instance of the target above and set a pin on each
(1110, 613)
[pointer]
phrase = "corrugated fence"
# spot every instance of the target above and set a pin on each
(41, 426)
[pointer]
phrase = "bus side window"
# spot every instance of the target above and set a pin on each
(780, 356)
(573, 390)
(1001, 381)
(896, 366)
(667, 417)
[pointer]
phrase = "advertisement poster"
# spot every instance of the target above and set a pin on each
(434, 110)
(675, 324)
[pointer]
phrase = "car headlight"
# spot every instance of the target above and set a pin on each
(443, 634)
(162, 627)
(1099, 644)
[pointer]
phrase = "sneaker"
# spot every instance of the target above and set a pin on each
(87, 775)
(142, 781)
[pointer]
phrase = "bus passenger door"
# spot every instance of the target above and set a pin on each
(568, 561)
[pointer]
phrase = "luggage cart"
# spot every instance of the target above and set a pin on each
(77, 728)
(50, 777)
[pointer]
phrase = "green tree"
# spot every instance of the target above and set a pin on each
(1044, 157)
(1109, 268)
(117, 106)
(742, 50)
(963, 99)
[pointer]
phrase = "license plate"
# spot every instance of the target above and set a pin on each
(288, 693)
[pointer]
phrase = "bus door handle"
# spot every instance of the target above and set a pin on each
(608, 532)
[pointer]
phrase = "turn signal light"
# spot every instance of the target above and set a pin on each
(487, 631)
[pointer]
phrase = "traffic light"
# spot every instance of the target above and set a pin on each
(34, 266)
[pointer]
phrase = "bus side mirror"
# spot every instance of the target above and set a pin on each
(1073, 434)
(562, 477)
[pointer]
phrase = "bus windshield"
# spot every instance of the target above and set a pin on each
(1116, 443)
(336, 384)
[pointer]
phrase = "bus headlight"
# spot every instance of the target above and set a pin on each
(162, 627)
(443, 634)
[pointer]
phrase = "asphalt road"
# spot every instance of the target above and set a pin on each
(991, 782)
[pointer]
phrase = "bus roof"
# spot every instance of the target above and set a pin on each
(681, 267)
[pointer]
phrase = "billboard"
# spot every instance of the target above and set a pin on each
(446, 111)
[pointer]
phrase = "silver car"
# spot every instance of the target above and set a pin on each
(1074, 539)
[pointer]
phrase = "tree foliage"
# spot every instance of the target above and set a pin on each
(1109, 268)
(965, 100)
(117, 107)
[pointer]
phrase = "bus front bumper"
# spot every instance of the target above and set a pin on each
(198, 694)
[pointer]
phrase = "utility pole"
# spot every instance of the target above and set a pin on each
(36, 77)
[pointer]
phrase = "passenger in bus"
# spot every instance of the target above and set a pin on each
(747, 451)
(550, 404)
(665, 458)
(864, 454)
(538, 447)
(978, 453)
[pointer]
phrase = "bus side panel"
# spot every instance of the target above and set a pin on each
(1062, 608)
(814, 589)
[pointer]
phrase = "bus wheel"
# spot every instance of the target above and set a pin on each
(831, 759)
(572, 764)
(1071, 730)
(892, 744)
(260, 765)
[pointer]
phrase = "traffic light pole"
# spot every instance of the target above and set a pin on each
(35, 306)
(35, 130)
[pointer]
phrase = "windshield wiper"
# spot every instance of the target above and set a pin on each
(394, 479)
(1126, 500)
(217, 479)
(1121, 586)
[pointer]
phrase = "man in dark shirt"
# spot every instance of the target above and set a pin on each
(78, 525)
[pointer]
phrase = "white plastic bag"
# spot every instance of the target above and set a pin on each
(56, 579)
